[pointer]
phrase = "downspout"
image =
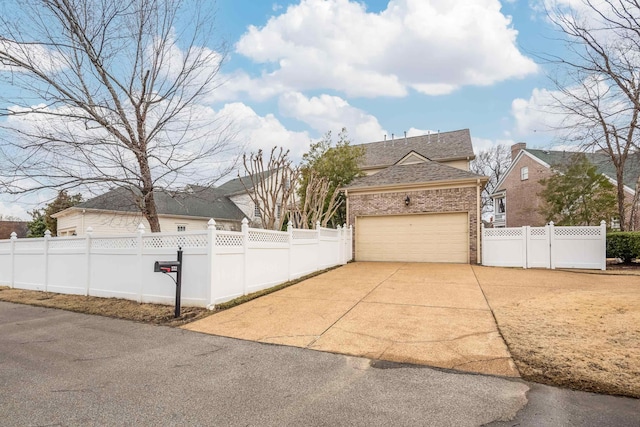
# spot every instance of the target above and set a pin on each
(478, 222)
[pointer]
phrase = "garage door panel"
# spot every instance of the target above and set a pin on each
(413, 238)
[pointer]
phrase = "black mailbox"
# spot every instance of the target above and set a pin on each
(166, 266)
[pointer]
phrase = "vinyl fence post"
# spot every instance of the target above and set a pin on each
(140, 272)
(14, 237)
(319, 257)
(552, 241)
(603, 235)
(245, 249)
(340, 244)
(290, 231)
(87, 254)
(211, 265)
(481, 243)
(47, 237)
(350, 242)
(525, 246)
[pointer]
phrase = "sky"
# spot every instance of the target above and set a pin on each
(297, 69)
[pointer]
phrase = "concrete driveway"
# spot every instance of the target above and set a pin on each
(431, 314)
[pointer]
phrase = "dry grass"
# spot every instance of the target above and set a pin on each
(110, 307)
(580, 331)
(157, 314)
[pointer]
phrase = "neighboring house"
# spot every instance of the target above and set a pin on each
(516, 199)
(418, 202)
(116, 211)
(21, 229)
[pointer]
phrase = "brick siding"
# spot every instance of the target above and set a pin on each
(522, 196)
(422, 201)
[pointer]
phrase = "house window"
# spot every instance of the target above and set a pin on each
(278, 210)
(182, 227)
(500, 208)
(256, 210)
(524, 173)
(615, 224)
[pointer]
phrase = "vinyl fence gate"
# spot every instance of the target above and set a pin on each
(545, 247)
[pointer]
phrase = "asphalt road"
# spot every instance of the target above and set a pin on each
(62, 368)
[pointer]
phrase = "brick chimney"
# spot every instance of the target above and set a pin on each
(515, 149)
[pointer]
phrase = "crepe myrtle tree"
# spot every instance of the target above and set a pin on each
(270, 183)
(109, 93)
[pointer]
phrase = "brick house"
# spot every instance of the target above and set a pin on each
(516, 198)
(418, 201)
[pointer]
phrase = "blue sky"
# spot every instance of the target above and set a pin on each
(296, 69)
(513, 34)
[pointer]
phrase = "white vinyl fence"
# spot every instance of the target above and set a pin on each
(545, 247)
(217, 265)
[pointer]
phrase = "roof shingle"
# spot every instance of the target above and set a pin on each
(440, 146)
(417, 173)
(601, 161)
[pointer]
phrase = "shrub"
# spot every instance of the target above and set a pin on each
(623, 245)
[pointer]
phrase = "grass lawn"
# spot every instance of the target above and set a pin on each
(569, 329)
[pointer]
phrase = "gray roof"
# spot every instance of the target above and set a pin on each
(436, 146)
(199, 202)
(241, 184)
(602, 161)
(417, 173)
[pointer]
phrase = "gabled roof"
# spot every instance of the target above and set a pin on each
(601, 161)
(199, 202)
(241, 184)
(417, 173)
(438, 146)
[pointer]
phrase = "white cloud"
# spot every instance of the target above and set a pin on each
(482, 144)
(535, 114)
(256, 132)
(13, 210)
(326, 112)
(433, 47)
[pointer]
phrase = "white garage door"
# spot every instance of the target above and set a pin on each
(413, 238)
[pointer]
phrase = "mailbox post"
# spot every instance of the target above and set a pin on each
(167, 267)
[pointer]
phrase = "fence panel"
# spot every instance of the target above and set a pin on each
(218, 265)
(579, 247)
(545, 247)
(503, 247)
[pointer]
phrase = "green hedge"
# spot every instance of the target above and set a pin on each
(624, 245)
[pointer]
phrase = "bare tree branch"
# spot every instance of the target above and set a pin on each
(110, 93)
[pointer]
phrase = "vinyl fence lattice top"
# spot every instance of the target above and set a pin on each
(229, 239)
(76, 243)
(267, 236)
(173, 241)
(577, 231)
(304, 234)
(114, 243)
(503, 232)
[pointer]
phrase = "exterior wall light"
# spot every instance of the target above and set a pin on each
(407, 200)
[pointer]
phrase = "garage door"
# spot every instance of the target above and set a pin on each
(413, 238)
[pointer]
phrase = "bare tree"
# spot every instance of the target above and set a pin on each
(320, 203)
(598, 82)
(109, 93)
(492, 162)
(271, 186)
